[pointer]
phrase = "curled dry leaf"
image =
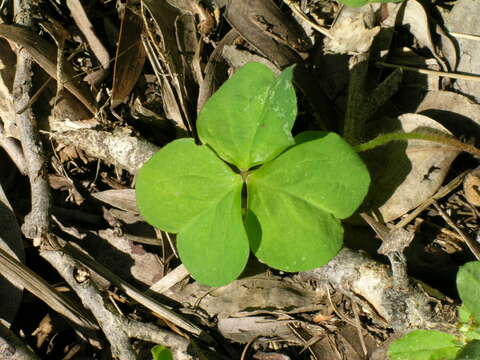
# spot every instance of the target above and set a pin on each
(471, 186)
(404, 174)
(267, 29)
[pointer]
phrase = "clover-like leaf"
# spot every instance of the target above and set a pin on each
(468, 285)
(248, 121)
(186, 189)
(471, 351)
(295, 202)
(160, 352)
(424, 345)
(295, 199)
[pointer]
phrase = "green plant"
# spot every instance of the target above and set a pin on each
(436, 345)
(358, 3)
(160, 352)
(297, 189)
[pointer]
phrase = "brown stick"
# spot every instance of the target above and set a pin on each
(36, 222)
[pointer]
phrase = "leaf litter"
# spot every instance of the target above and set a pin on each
(190, 50)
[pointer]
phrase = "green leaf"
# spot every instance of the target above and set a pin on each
(464, 315)
(358, 3)
(294, 202)
(471, 351)
(186, 189)
(468, 285)
(160, 352)
(248, 121)
(424, 345)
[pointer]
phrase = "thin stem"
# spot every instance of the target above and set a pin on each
(399, 136)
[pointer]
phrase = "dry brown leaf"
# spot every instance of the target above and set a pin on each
(129, 260)
(267, 29)
(129, 58)
(405, 174)
(415, 17)
(123, 199)
(456, 112)
(83, 22)
(166, 54)
(351, 36)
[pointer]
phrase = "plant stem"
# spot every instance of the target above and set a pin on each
(399, 136)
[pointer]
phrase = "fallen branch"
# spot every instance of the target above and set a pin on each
(37, 222)
(116, 327)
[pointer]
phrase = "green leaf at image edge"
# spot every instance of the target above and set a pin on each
(248, 121)
(186, 189)
(295, 202)
(160, 352)
(468, 285)
(424, 345)
(359, 3)
(471, 351)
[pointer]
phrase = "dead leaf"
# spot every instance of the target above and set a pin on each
(267, 29)
(248, 296)
(405, 174)
(351, 36)
(83, 22)
(166, 59)
(456, 112)
(123, 199)
(129, 58)
(414, 16)
(463, 19)
(216, 71)
(129, 260)
(471, 184)
(260, 355)
(45, 54)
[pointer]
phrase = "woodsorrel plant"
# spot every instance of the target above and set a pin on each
(298, 189)
(437, 345)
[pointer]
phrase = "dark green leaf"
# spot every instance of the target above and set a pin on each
(471, 351)
(468, 285)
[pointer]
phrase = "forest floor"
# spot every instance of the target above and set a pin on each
(89, 91)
